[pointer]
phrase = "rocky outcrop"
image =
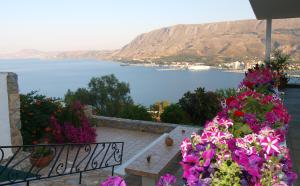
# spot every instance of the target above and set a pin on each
(235, 39)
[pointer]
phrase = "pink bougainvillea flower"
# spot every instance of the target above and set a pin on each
(270, 145)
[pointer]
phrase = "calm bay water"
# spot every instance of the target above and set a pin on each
(55, 77)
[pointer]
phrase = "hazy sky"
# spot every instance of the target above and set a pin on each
(55, 25)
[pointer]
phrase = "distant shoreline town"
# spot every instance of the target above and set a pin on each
(236, 67)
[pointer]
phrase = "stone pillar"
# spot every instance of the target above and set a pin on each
(268, 40)
(14, 108)
(88, 110)
(10, 108)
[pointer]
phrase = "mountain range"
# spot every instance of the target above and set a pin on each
(219, 41)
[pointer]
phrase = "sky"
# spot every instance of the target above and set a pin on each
(65, 25)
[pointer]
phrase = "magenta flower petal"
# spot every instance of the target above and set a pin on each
(166, 180)
(114, 181)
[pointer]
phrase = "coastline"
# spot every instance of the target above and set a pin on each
(178, 66)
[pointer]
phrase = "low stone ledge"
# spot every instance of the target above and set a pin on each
(162, 158)
(144, 126)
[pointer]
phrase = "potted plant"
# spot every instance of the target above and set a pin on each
(279, 64)
(283, 81)
(169, 141)
(41, 156)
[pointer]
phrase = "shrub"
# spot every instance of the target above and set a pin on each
(71, 125)
(175, 114)
(45, 120)
(35, 114)
(137, 112)
(200, 105)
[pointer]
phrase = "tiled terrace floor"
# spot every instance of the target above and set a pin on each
(134, 141)
(292, 102)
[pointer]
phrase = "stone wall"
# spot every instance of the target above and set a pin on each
(14, 108)
(121, 123)
(144, 126)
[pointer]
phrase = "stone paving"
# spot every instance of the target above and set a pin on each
(292, 102)
(134, 141)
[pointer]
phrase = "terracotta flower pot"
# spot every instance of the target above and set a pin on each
(169, 141)
(41, 162)
(283, 81)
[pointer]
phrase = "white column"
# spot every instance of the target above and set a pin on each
(268, 40)
(5, 137)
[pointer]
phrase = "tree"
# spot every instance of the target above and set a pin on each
(175, 114)
(81, 94)
(106, 94)
(165, 104)
(137, 112)
(200, 105)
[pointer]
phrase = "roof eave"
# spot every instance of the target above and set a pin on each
(275, 9)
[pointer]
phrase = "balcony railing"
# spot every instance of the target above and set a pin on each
(294, 77)
(36, 162)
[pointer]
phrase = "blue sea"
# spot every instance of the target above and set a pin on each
(148, 84)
